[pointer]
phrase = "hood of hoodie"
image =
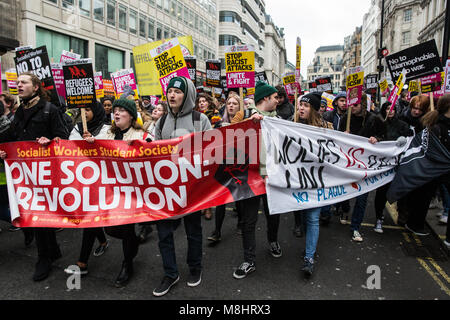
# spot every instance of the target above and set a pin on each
(189, 100)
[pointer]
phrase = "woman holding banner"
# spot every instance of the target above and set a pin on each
(125, 127)
(308, 112)
(95, 128)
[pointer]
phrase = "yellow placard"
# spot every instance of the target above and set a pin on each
(289, 79)
(298, 57)
(146, 71)
(355, 80)
(384, 85)
(240, 61)
(250, 91)
(413, 86)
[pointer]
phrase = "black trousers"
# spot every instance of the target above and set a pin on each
(220, 215)
(380, 200)
(46, 243)
(89, 236)
(418, 203)
(130, 242)
(273, 221)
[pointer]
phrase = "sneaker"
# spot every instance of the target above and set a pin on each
(417, 232)
(308, 266)
(165, 286)
(13, 228)
(447, 243)
(42, 270)
(379, 226)
(356, 236)
(275, 249)
(79, 270)
(440, 213)
(215, 237)
(342, 220)
(443, 220)
(195, 278)
(244, 269)
(101, 249)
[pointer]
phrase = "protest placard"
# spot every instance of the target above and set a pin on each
(312, 86)
(11, 81)
(431, 83)
(324, 84)
(191, 64)
(298, 58)
(37, 62)
(58, 77)
(261, 76)
(98, 79)
(213, 75)
(69, 56)
(413, 86)
(329, 98)
(124, 78)
(146, 71)
(108, 88)
(289, 83)
(384, 86)
(418, 61)
(447, 77)
(371, 84)
(354, 85)
(169, 61)
(79, 83)
(393, 97)
(240, 66)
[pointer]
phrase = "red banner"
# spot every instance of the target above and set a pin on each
(75, 184)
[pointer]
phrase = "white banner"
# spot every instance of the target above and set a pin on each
(310, 167)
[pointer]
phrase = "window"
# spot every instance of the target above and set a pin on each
(142, 26)
(186, 15)
(151, 29)
(407, 15)
(158, 31)
(57, 42)
(229, 16)
(85, 7)
(111, 12)
(68, 4)
(99, 10)
(406, 38)
(151, 2)
(173, 8)
(122, 17)
(159, 4)
(180, 11)
(133, 22)
(167, 6)
(228, 40)
(108, 60)
(166, 32)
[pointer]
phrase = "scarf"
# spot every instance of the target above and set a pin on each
(264, 113)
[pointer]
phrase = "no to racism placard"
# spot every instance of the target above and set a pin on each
(146, 72)
(354, 84)
(169, 62)
(37, 62)
(79, 83)
(124, 78)
(289, 83)
(74, 184)
(213, 68)
(418, 61)
(191, 64)
(240, 66)
(311, 167)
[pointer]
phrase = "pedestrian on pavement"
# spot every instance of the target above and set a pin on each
(309, 114)
(180, 120)
(266, 103)
(366, 124)
(36, 119)
(96, 128)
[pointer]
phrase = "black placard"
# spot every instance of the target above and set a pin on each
(324, 84)
(191, 63)
(213, 76)
(419, 61)
(261, 76)
(80, 84)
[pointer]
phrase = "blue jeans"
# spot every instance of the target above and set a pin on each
(193, 228)
(445, 199)
(358, 211)
(311, 219)
(325, 211)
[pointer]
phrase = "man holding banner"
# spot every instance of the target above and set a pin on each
(180, 120)
(36, 119)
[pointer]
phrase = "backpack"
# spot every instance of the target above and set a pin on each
(195, 120)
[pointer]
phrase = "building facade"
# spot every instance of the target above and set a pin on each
(328, 61)
(433, 22)
(107, 30)
(369, 45)
(352, 53)
(274, 52)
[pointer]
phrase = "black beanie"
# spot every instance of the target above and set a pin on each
(313, 99)
(2, 108)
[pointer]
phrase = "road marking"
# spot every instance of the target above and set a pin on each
(373, 225)
(439, 269)
(433, 275)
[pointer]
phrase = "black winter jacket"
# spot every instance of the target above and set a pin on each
(396, 128)
(410, 120)
(286, 110)
(44, 120)
(367, 126)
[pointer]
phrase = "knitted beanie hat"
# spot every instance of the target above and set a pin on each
(128, 105)
(313, 99)
(179, 83)
(263, 90)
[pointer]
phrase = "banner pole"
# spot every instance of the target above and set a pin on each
(83, 119)
(241, 97)
(431, 101)
(349, 114)
(295, 104)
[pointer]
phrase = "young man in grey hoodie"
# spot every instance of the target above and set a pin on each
(180, 120)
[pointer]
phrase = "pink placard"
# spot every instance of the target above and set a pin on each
(184, 72)
(58, 76)
(241, 79)
(123, 78)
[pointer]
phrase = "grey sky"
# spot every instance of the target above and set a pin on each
(317, 23)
